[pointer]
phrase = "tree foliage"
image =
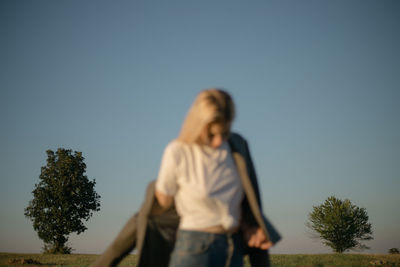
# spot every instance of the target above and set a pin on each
(394, 251)
(340, 224)
(62, 199)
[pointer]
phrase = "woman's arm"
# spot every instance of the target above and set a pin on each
(166, 185)
(162, 204)
(165, 201)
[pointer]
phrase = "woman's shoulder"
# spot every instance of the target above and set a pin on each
(175, 147)
(237, 138)
(173, 150)
(238, 143)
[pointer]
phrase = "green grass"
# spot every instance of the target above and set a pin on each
(339, 260)
(73, 260)
(318, 260)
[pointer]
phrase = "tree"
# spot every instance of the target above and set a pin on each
(340, 224)
(63, 198)
(394, 251)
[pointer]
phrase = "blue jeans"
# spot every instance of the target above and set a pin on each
(202, 249)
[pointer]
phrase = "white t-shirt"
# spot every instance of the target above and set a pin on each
(205, 183)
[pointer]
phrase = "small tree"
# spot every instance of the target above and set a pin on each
(340, 224)
(63, 198)
(394, 251)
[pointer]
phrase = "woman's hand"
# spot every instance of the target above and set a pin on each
(256, 238)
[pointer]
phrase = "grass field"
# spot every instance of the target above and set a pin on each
(319, 260)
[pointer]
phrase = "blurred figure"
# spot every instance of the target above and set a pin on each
(215, 194)
(204, 209)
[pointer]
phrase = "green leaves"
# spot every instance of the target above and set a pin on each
(62, 200)
(340, 224)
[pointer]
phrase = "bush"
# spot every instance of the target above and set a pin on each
(340, 224)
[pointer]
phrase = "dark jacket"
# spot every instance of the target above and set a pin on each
(153, 233)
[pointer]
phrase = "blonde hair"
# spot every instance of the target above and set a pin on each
(210, 106)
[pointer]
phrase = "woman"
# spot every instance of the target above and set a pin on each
(199, 173)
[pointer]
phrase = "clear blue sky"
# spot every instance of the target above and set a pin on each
(316, 83)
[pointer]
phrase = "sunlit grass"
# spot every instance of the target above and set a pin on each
(76, 260)
(317, 260)
(339, 260)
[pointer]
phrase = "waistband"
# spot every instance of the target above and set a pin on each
(216, 229)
